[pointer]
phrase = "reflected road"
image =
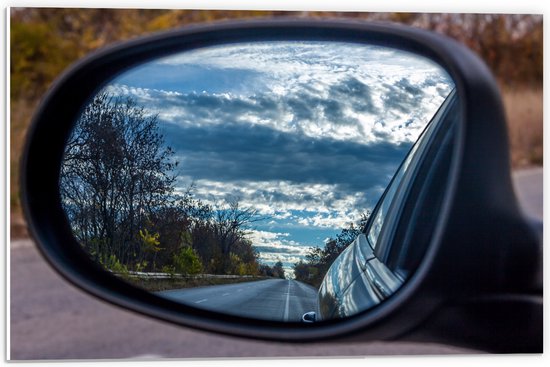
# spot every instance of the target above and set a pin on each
(528, 186)
(271, 299)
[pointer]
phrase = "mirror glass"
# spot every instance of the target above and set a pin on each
(231, 178)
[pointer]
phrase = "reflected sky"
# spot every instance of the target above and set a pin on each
(308, 133)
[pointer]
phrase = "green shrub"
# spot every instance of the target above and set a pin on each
(187, 261)
(169, 269)
(113, 264)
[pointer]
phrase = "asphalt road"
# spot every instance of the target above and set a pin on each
(272, 299)
(50, 319)
(528, 185)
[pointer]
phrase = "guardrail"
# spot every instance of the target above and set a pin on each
(151, 275)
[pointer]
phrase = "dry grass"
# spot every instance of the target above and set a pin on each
(525, 126)
(156, 285)
(20, 115)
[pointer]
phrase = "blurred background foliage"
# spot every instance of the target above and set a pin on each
(44, 41)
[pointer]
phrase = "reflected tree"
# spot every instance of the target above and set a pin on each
(117, 189)
(230, 226)
(115, 175)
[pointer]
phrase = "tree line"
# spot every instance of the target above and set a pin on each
(318, 260)
(118, 191)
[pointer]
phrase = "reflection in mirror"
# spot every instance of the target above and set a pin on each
(230, 178)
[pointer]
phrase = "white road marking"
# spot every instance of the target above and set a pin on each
(225, 294)
(202, 300)
(285, 316)
(239, 290)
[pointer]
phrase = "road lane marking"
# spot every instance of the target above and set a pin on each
(285, 316)
(202, 300)
(239, 290)
(225, 294)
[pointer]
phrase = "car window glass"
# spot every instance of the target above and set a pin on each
(405, 253)
(380, 216)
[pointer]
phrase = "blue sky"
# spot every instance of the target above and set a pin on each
(308, 133)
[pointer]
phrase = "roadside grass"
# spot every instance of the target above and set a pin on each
(524, 113)
(157, 285)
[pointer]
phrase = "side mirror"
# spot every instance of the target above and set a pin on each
(141, 193)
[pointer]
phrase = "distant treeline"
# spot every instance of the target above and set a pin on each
(318, 260)
(117, 188)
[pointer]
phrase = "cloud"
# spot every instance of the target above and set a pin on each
(292, 204)
(287, 259)
(238, 152)
(275, 246)
(275, 242)
(186, 78)
(304, 87)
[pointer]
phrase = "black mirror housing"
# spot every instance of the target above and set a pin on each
(480, 272)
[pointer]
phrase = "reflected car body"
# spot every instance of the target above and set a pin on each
(353, 283)
(369, 270)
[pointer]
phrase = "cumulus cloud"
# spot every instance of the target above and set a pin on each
(300, 204)
(341, 91)
(274, 242)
